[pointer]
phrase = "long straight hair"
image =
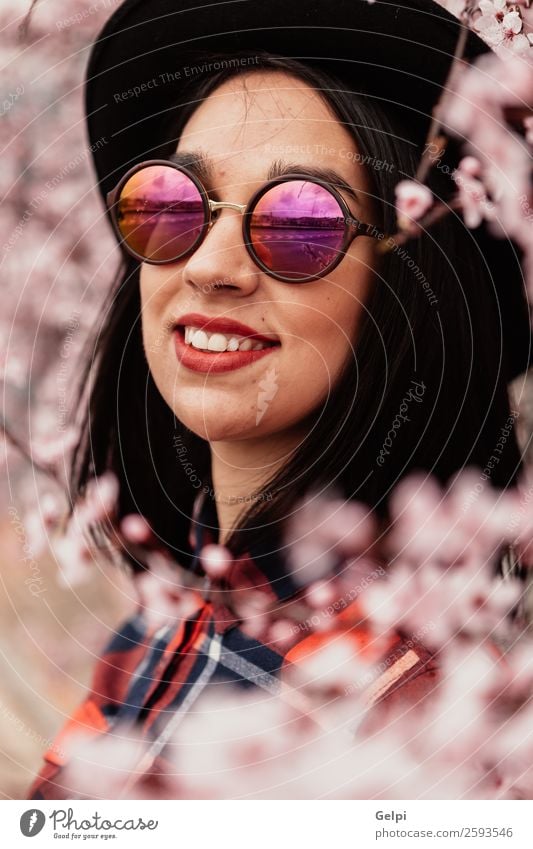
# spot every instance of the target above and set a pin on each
(424, 388)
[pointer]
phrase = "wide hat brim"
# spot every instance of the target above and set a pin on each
(145, 60)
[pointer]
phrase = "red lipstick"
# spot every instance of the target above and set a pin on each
(212, 324)
(216, 362)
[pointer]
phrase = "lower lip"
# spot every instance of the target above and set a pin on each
(216, 361)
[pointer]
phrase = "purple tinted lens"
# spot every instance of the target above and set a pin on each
(297, 229)
(160, 213)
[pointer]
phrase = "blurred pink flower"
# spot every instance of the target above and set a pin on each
(102, 766)
(136, 529)
(54, 450)
(440, 603)
(216, 560)
(72, 556)
(463, 720)
(333, 667)
(100, 499)
(412, 202)
(473, 198)
(463, 522)
(324, 529)
(320, 594)
(163, 597)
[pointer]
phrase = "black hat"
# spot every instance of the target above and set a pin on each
(150, 52)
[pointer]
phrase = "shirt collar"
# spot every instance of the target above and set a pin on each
(262, 566)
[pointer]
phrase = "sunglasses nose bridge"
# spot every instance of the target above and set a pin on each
(222, 204)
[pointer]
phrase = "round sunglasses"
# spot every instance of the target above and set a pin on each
(296, 228)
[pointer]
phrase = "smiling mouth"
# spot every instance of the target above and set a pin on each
(217, 342)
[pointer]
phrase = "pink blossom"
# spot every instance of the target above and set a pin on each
(331, 668)
(216, 560)
(281, 635)
(51, 450)
(136, 529)
(230, 744)
(309, 560)
(253, 607)
(323, 529)
(100, 499)
(440, 604)
(514, 79)
(464, 721)
(412, 202)
(501, 25)
(320, 594)
(163, 597)
(73, 557)
(472, 195)
(454, 525)
(51, 509)
(102, 766)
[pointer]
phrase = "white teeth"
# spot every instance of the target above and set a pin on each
(219, 342)
(199, 339)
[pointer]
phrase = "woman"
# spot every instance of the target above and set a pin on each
(239, 369)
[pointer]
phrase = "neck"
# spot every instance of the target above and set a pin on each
(240, 470)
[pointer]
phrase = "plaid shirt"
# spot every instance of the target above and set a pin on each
(150, 677)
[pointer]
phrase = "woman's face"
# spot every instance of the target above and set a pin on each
(241, 133)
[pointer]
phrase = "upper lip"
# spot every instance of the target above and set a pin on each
(211, 324)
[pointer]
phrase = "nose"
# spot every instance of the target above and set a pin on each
(222, 259)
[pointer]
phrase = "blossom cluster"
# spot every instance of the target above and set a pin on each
(436, 576)
(488, 107)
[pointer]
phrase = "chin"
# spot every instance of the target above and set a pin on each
(214, 428)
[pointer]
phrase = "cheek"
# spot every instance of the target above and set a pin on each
(331, 333)
(147, 291)
(155, 335)
(316, 350)
(344, 308)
